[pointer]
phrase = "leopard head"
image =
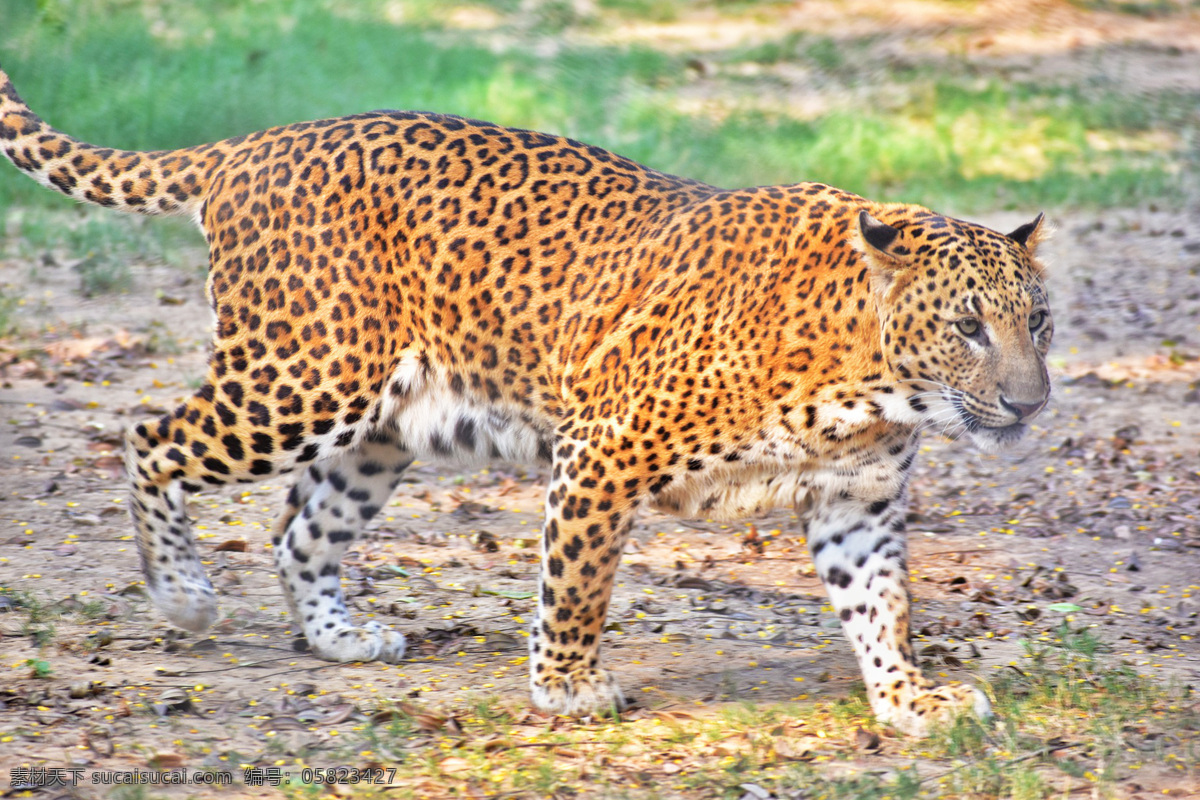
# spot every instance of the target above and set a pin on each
(964, 320)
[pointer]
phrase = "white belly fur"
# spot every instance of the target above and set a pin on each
(733, 496)
(733, 491)
(433, 422)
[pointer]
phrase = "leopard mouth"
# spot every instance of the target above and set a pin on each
(986, 436)
(1012, 429)
(989, 437)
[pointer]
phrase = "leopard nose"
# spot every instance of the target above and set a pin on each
(1022, 411)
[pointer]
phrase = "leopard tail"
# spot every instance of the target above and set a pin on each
(158, 183)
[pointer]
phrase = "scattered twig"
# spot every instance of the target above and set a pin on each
(184, 673)
(556, 744)
(1042, 751)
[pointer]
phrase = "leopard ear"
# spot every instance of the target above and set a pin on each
(1030, 234)
(880, 246)
(878, 235)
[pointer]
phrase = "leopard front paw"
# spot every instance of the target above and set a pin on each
(579, 693)
(923, 709)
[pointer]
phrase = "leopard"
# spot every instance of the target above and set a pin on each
(401, 285)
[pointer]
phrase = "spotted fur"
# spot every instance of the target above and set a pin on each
(400, 285)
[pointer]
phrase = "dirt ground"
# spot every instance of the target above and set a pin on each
(1098, 507)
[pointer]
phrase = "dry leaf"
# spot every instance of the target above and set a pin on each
(865, 739)
(284, 724)
(563, 751)
(803, 749)
(339, 714)
(166, 760)
(485, 542)
(113, 466)
(731, 746)
(76, 349)
(23, 369)
(429, 723)
(672, 715)
(99, 739)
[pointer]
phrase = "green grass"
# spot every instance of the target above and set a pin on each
(37, 617)
(98, 246)
(8, 313)
(39, 668)
(135, 75)
(1140, 8)
(651, 10)
(1070, 721)
(819, 50)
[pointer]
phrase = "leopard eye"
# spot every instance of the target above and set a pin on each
(968, 326)
(1036, 319)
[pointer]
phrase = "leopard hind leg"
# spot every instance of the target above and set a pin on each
(326, 509)
(193, 448)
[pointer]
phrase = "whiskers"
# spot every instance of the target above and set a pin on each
(946, 421)
(945, 414)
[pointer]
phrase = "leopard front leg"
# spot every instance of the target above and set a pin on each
(860, 552)
(589, 512)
